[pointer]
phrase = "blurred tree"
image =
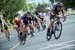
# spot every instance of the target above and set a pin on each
(9, 8)
(32, 6)
(52, 1)
(41, 7)
(69, 3)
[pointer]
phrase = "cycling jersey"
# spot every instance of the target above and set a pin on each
(31, 19)
(25, 20)
(41, 16)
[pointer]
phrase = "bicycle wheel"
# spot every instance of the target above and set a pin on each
(24, 38)
(21, 38)
(58, 30)
(49, 35)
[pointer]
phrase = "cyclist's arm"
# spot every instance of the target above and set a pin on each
(22, 23)
(64, 15)
(14, 22)
(62, 11)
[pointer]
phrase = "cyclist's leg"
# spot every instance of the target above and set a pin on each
(31, 29)
(7, 34)
(41, 21)
(19, 32)
(37, 24)
(44, 22)
(1, 28)
(51, 23)
(58, 17)
(27, 30)
(24, 35)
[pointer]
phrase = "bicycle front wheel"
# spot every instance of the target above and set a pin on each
(49, 34)
(58, 30)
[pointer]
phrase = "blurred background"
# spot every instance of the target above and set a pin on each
(9, 9)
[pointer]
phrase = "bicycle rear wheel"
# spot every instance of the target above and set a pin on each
(58, 30)
(23, 37)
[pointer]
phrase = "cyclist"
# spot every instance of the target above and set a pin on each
(17, 22)
(26, 22)
(36, 23)
(31, 23)
(6, 28)
(57, 8)
(42, 20)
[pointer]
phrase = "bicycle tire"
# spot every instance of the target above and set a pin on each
(57, 37)
(23, 38)
(49, 35)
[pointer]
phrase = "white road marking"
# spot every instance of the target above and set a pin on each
(28, 37)
(14, 46)
(55, 45)
(18, 44)
(64, 47)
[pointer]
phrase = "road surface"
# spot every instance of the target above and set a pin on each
(39, 41)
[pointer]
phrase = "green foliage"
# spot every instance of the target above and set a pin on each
(32, 6)
(52, 1)
(69, 3)
(9, 8)
(41, 7)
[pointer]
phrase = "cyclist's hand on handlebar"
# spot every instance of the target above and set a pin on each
(64, 18)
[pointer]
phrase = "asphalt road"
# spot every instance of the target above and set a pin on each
(39, 41)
